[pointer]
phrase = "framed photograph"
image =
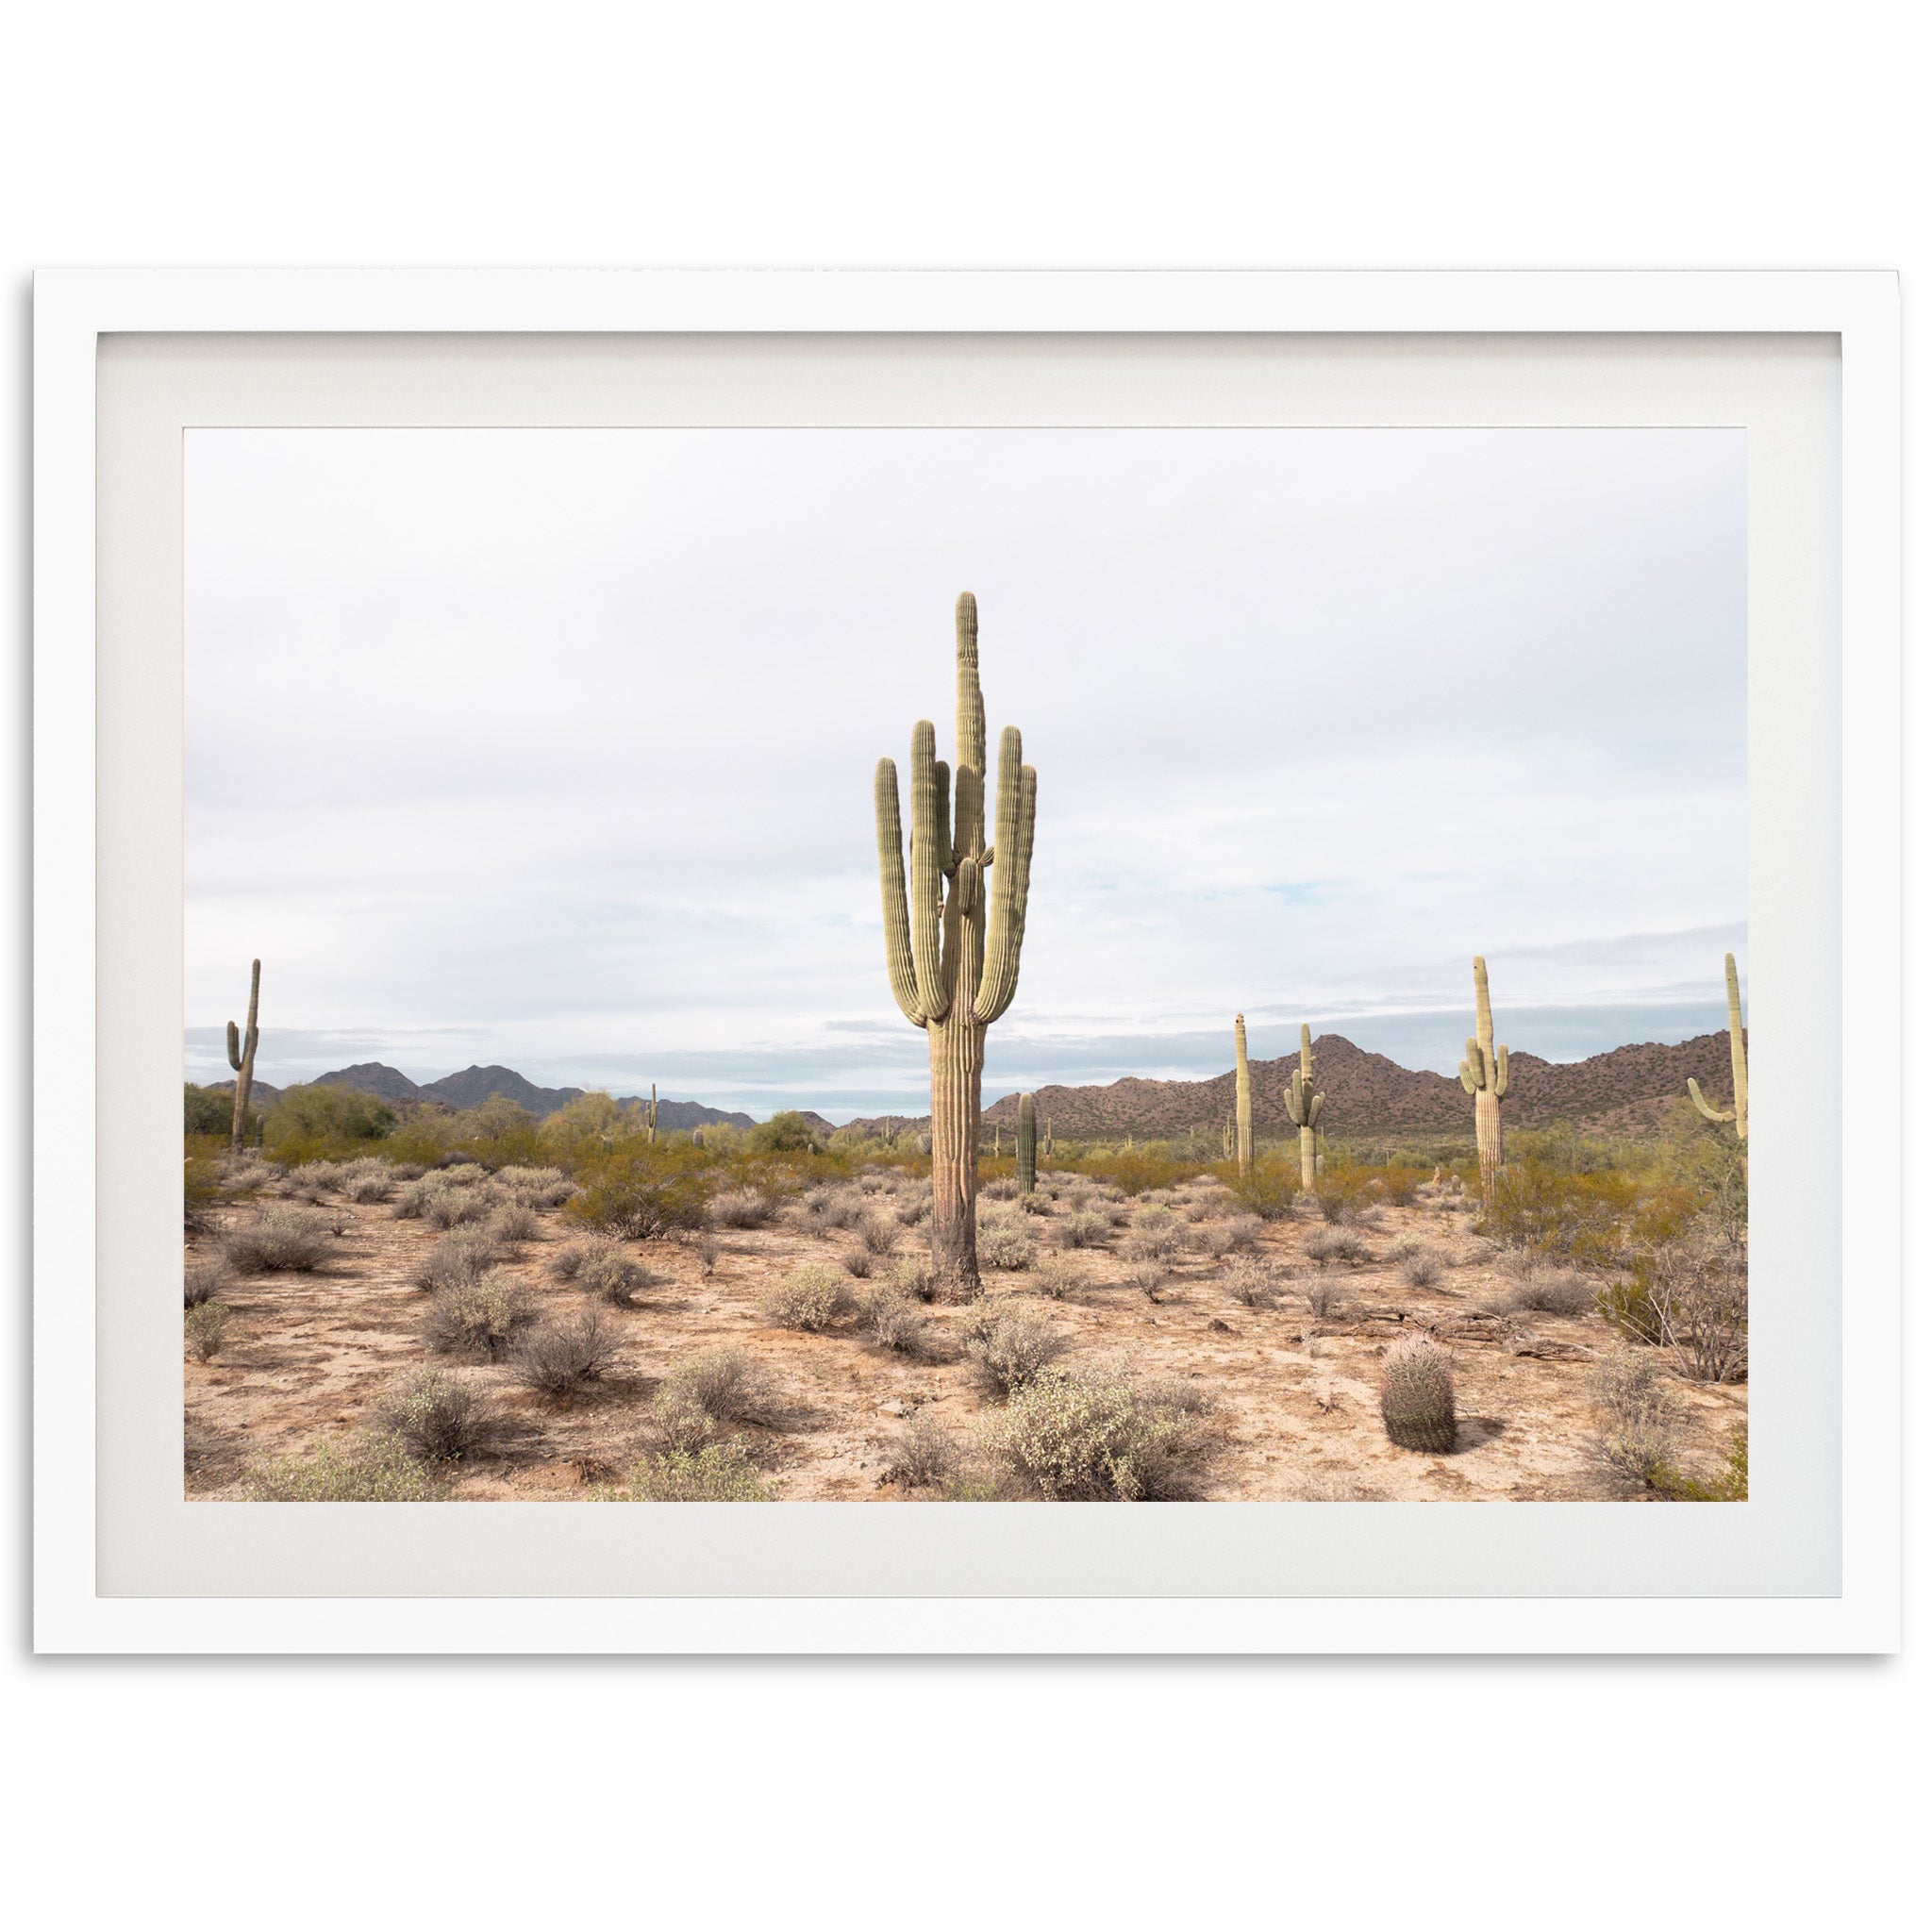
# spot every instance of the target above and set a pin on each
(941, 901)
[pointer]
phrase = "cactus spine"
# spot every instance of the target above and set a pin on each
(1024, 1142)
(1485, 1073)
(650, 1117)
(1739, 1083)
(953, 942)
(242, 1057)
(1304, 1107)
(1419, 1395)
(1244, 1100)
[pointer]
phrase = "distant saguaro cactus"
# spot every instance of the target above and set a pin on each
(953, 945)
(1304, 1107)
(1419, 1395)
(1244, 1100)
(1485, 1073)
(242, 1057)
(650, 1117)
(1025, 1143)
(1739, 1085)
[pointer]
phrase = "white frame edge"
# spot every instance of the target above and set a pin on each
(74, 307)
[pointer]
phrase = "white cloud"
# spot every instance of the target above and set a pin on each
(555, 746)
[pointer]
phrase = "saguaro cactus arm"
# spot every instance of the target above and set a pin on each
(1011, 865)
(892, 894)
(1708, 1111)
(1485, 1065)
(235, 1048)
(1739, 1072)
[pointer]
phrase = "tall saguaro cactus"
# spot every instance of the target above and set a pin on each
(953, 941)
(650, 1117)
(242, 1057)
(1305, 1106)
(1740, 1083)
(1023, 1141)
(1485, 1073)
(1244, 1100)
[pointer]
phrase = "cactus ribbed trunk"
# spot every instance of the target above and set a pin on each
(1485, 1072)
(953, 933)
(1244, 1100)
(241, 1058)
(1305, 1108)
(1024, 1144)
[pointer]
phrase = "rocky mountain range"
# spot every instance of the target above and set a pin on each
(1368, 1093)
(475, 1085)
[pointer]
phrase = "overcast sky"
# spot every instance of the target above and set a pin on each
(555, 747)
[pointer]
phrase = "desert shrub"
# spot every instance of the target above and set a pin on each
(702, 1393)
(1005, 1189)
(807, 1298)
(280, 1238)
(560, 1358)
(455, 1206)
(881, 1237)
(1034, 1203)
(893, 1321)
(1005, 1244)
(514, 1223)
(1213, 1240)
(207, 1110)
(440, 1418)
(858, 1259)
(325, 1116)
(376, 1468)
(836, 1209)
(926, 1455)
(1269, 1189)
(1638, 1417)
(1327, 1244)
(611, 1276)
(1326, 1299)
(205, 1279)
(712, 1472)
(910, 1209)
(708, 1252)
(588, 1129)
(742, 1208)
(1157, 1243)
(644, 1191)
(1071, 1435)
(1085, 1230)
(1545, 1291)
(1251, 1281)
(1134, 1170)
(1419, 1395)
(1731, 1483)
(535, 1187)
(368, 1181)
(1581, 1217)
(1421, 1267)
(784, 1133)
(1052, 1277)
(1149, 1277)
(912, 1275)
(461, 1258)
(1007, 1346)
(479, 1318)
(204, 1325)
(1689, 1296)
(1340, 1193)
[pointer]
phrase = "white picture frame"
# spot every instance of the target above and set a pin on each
(83, 1520)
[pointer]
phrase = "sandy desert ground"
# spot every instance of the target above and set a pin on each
(307, 1356)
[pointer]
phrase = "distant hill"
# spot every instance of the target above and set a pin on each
(1367, 1093)
(475, 1085)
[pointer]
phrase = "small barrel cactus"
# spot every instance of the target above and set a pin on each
(1419, 1395)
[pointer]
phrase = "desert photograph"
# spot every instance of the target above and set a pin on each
(984, 965)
